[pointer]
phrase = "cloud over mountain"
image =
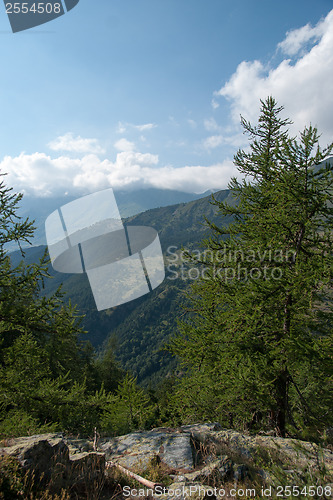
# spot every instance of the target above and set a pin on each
(41, 175)
(303, 85)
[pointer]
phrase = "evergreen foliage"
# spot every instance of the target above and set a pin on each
(129, 408)
(257, 343)
(50, 379)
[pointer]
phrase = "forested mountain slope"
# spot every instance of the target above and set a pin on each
(139, 329)
(129, 203)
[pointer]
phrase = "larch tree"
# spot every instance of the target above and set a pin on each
(257, 343)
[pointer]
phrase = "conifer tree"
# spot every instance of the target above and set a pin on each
(41, 355)
(23, 308)
(49, 377)
(258, 342)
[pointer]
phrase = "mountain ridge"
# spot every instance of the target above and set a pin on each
(129, 204)
(140, 328)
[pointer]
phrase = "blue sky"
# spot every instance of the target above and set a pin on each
(148, 93)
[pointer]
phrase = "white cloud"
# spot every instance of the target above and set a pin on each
(172, 121)
(231, 137)
(213, 141)
(40, 175)
(77, 144)
(124, 145)
(122, 127)
(296, 39)
(194, 178)
(211, 125)
(145, 126)
(236, 139)
(215, 104)
(304, 87)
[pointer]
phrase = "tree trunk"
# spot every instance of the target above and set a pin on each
(283, 377)
(282, 403)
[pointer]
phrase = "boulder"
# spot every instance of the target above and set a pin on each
(48, 459)
(135, 450)
(294, 452)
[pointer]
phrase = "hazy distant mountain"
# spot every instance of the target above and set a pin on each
(134, 202)
(129, 203)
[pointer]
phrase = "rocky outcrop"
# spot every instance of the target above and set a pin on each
(291, 452)
(172, 447)
(194, 455)
(47, 457)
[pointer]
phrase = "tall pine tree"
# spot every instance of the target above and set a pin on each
(42, 359)
(258, 343)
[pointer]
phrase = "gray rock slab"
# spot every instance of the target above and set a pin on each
(47, 457)
(137, 449)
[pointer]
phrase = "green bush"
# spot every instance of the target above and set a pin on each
(20, 423)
